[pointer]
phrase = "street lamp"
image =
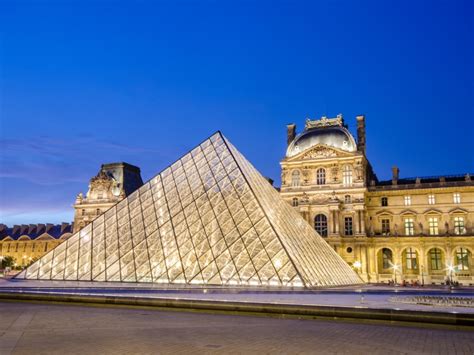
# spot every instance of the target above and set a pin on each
(395, 269)
(422, 276)
(450, 275)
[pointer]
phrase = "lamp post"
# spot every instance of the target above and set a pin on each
(422, 276)
(395, 268)
(357, 264)
(450, 274)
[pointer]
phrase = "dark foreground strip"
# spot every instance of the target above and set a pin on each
(457, 320)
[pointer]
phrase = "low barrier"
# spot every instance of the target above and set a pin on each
(458, 320)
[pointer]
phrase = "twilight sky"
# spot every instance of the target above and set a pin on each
(88, 82)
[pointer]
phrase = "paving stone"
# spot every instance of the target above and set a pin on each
(62, 329)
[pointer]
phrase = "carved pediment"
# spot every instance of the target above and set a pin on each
(320, 151)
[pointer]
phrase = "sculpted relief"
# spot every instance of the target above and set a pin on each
(319, 152)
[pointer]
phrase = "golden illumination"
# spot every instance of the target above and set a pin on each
(209, 218)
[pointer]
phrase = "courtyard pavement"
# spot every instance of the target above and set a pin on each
(27, 328)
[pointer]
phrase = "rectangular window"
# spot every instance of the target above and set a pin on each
(347, 175)
(459, 225)
(433, 225)
(385, 226)
(348, 226)
(407, 200)
(462, 257)
(384, 201)
(409, 226)
(411, 259)
(457, 197)
(435, 258)
(431, 199)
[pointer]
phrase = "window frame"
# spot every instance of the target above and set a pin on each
(348, 226)
(436, 258)
(407, 200)
(321, 176)
(409, 226)
(433, 225)
(462, 259)
(321, 226)
(385, 224)
(347, 175)
(295, 178)
(411, 263)
(457, 198)
(431, 199)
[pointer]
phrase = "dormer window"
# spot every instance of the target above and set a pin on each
(320, 176)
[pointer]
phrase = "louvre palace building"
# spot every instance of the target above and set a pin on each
(413, 229)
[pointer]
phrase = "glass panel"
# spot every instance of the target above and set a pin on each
(209, 218)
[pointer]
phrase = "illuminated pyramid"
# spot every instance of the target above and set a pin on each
(210, 218)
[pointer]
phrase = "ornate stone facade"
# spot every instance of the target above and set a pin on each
(112, 183)
(410, 229)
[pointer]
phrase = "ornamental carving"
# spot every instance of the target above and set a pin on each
(322, 198)
(324, 122)
(319, 152)
(100, 186)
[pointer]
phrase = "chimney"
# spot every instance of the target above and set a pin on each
(290, 133)
(361, 133)
(395, 174)
(49, 226)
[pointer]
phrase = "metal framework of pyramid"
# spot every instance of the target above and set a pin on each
(210, 219)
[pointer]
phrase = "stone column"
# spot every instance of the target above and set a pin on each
(423, 266)
(365, 266)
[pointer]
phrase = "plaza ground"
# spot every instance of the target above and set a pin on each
(27, 328)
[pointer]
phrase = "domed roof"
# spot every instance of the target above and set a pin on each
(332, 136)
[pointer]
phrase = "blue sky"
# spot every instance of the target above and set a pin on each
(88, 82)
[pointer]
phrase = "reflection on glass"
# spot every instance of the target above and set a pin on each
(210, 218)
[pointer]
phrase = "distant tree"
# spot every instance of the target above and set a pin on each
(8, 261)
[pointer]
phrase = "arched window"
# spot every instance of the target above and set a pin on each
(295, 202)
(347, 175)
(295, 178)
(462, 259)
(411, 259)
(387, 258)
(320, 176)
(321, 225)
(435, 259)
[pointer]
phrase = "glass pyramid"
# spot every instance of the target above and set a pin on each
(208, 219)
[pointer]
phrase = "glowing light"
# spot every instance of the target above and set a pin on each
(168, 232)
(357, 264)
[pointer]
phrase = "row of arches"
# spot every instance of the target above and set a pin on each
(321, 176)
(437, 261)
